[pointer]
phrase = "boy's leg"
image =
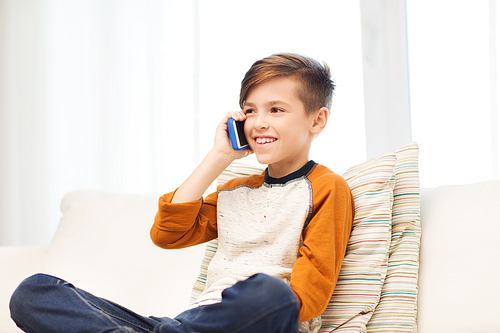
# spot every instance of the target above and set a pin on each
(44, 303)
(259, 304)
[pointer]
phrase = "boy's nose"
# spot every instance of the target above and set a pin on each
(262, 126)
(261, 123)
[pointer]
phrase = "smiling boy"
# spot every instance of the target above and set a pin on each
(282, 234)
(292, 222)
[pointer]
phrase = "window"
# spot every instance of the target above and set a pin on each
(452, 70)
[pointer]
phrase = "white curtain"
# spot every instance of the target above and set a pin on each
(93, 95)
(124, 96)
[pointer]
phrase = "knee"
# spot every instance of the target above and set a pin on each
(263, 290)
(27, 294)
(270, 285)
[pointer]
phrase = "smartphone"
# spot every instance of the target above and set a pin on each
(237, 134)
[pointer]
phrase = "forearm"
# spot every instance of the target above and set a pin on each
(218, 159)
(198, 182)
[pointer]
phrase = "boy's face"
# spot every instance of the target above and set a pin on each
(277, 127)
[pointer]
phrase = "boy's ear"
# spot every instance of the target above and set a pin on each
(319, 121)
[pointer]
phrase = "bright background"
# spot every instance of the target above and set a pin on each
(453, 72)
(124, 96)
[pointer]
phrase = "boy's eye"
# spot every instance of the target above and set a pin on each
(276, 110)
(249, 111)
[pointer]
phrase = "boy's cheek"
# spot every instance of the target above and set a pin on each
(247, 130)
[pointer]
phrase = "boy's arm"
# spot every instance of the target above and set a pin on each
(183, 218)
(185, 224)
(316, 270)
(216, 161)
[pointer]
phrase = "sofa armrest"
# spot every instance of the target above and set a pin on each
(17, 263)
(459, 258)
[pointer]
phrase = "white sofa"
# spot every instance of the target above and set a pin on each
(102, 245)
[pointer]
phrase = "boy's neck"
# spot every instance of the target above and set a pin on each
(284, 168)
(302, 171)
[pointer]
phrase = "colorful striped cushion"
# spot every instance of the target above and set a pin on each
(201, 280)
(365, 264)
(397, 309)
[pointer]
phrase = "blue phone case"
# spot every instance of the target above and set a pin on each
(236, 134)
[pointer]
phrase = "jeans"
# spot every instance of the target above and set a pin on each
(43, 303)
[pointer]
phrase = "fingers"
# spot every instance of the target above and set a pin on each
(236, 115)
(222, 142)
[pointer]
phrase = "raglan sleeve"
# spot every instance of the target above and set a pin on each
(179, 225)
(317, 267)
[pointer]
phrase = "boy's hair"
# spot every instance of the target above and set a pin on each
(316, 85)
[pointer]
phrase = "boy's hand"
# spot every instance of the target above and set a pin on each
(219, 158)
(222, 143)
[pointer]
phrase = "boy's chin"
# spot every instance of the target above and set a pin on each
(263, 160)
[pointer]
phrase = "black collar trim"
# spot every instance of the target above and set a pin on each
(294, 175)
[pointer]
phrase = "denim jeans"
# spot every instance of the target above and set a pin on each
(43, 303)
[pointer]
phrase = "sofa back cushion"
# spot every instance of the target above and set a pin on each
(102, 245)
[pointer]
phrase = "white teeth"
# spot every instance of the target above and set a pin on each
(265, 140)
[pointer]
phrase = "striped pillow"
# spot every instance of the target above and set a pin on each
(201, 280)
(365, 264)
(397, 309)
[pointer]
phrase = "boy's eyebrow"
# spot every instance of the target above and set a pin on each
(278, 102)
(249, 104)
(271, 103)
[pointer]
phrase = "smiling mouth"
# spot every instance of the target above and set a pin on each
(265, 140)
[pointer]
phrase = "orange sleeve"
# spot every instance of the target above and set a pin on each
(185, 224)
(316, 270)
(181, 225)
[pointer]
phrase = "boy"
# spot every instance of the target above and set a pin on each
(282, 234)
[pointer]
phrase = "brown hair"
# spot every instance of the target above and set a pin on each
(316, 85)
